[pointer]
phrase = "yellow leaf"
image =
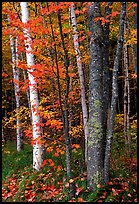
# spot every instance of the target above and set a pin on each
(71, 181)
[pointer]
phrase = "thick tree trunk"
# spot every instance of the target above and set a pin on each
(114, 92)
(81, 76)
(36, 129)
(95, 138)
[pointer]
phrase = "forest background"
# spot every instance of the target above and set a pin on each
(69, 107)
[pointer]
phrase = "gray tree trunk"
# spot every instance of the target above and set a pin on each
(114, 92)
(106, 73)
(95, 138)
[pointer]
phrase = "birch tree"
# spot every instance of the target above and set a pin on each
(126, 95)
(14, 49)
(36, 129)
(81, 76)
(135, 45)
(114, 92)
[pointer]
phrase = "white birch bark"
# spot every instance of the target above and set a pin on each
(16, 89)
(17, 96)
(36, 129)
(3, 139)
(81, 76)
(127, 95)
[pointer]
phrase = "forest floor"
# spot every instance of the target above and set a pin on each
(20, 183)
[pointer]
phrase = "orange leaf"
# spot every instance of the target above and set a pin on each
(80, 200)
(4, 74)
(77, 146)
(56, 154)
(51, 164)
(58, 168)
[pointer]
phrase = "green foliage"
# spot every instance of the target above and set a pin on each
(21, 183)
(13, 161)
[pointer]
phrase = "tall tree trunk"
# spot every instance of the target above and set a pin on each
(135, 45)
(106, 73)
(36, 129)
(126, 96)
(81, 76)
(114, 92)
(19, 132)
(16, 89)
(95, 138)
(66, 108)
(57, 69)
(71, 115)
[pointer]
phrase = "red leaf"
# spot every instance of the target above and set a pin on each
(78, 190)
(44, 163)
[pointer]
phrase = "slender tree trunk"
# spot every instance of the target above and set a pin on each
(19, 132)
(135, 45)
(81, 76)
(3, 139)
(57, 70)
(66, 108)
(125, 110)
(5, 112)
(17, 90)
(71, 115)
(114, 92)
(106, 73)
(95, 138)
(36, 129)
(126, 96)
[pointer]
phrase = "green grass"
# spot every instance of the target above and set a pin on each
(38, 186)
(13, 161)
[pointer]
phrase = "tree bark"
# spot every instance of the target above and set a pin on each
(114, 92)
(14, 50)
(106, 73)
(81, 76)
(95, 138)
(135, 45)
(126, 96)
(66, 109)
(36, 129)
